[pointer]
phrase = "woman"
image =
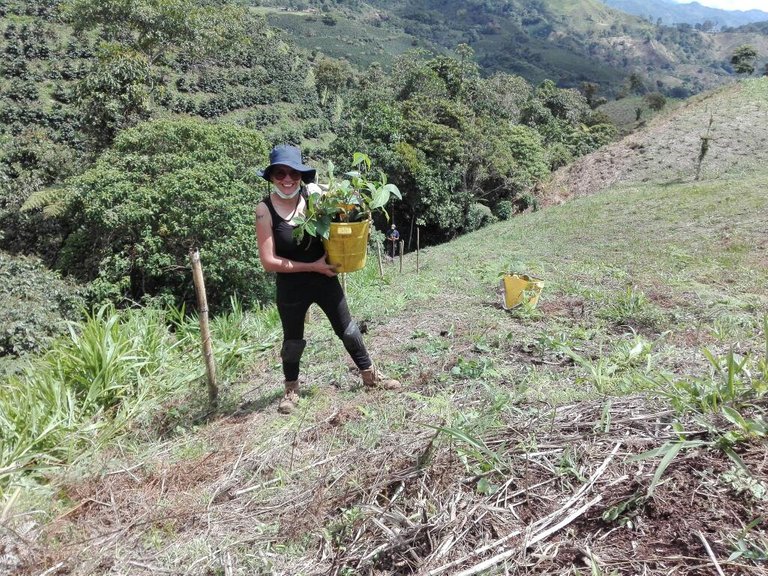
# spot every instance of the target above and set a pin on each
(303, 276)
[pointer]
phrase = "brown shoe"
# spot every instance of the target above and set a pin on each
(291, 398)
(372, 378)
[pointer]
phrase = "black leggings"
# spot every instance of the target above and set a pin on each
(295, 293)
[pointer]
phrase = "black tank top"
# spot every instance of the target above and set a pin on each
(308, 250)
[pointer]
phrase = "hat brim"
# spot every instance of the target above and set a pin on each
(307, 174)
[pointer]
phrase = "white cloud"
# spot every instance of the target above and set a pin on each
(732, 4)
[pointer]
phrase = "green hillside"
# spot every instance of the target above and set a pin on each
(691, 13)
(618, 427)
(90, 85)
(637, 383)
(569, 42)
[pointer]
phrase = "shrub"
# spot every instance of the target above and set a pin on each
(164, 187)
(558, 155)
(478, 215)
(504, 210)
(36, 303)
(655, 100)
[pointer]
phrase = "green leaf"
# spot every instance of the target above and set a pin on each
(733, 416)
(378, 199)
(359, 157)
(323, 228)
(485, 487)
(672, 450)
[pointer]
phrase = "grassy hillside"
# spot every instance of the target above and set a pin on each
(619, 427)
(527, 432)
(668, 149)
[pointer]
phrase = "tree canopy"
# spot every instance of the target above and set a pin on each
(163, 188)
(743, 59)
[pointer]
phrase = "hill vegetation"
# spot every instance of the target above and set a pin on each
(549, 440)
(719, 134)
(544, 440)
(568, 42)
(89, 158)
(692, 13)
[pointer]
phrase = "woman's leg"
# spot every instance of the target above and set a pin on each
(331, 300)
(292, 306)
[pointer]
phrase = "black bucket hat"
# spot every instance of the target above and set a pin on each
(288, 156)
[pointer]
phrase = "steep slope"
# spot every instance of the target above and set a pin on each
(522, 439)
(669, 147)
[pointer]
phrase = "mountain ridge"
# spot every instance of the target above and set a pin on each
(692, 13)
(568, 42)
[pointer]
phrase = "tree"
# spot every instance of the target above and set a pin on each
(30, 162)
(502, 95)
(655, 100)
(743, 59)
(332, 76)
(154, 27)
(590, 89)
(163, 188)
(115, 94)
(636, 83)
(136, 35)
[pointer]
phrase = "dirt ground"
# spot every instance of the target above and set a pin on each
(568, 499)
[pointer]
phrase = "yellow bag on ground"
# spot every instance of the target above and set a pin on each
(519, 288)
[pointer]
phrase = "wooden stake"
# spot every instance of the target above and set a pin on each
(205, 333)
(401, 256)
(381, 266)
(417, 250)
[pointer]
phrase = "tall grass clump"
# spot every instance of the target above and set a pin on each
(728, 405)
(111, 375)
(86, 387)
(235, 334)
(735, 382)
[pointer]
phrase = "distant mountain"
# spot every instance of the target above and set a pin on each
(670, 12)
(569, 42)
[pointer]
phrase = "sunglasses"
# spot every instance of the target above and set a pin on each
(280, 173)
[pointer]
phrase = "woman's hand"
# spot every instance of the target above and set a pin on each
(322, 267)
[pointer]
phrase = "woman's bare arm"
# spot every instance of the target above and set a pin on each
(274, 263)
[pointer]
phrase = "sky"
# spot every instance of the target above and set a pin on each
(732, 4)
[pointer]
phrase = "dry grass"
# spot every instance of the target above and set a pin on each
(412, 503)
(667, 150)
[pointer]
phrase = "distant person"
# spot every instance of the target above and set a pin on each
(394, 237)
(303, 277)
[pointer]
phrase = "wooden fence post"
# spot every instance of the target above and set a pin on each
(417, 250)
(381, 266)
(205, 333)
